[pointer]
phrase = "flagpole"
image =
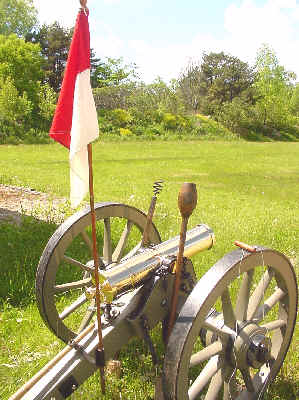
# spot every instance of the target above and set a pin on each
(100, 355)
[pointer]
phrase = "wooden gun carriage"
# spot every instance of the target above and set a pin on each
(232, 330)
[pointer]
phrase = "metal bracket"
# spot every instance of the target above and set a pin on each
(68, 387)
(81, 350)
(145, 331)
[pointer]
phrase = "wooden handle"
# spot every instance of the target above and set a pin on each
(84, 6)
(83, 3)
(187, 199)
(245, 246)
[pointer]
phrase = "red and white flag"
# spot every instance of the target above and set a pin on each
(75, 122)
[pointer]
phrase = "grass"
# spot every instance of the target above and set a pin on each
(247, 191)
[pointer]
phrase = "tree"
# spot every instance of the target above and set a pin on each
(17, 16)
(224, 77)
(219, 78)
(274, 86)
(112, 72)
(189, 86)
(54, 41)
(22, 62)
(157, 96)
(29, 102)
(295, 100)
(111, 97)
(47, 99)
(15, 110)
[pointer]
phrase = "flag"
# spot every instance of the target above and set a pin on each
(75, 122)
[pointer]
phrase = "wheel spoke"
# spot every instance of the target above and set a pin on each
(88, 316)
(65, 287)
(118, 252)
(203, 378)
(133, 251)
(56, 291)
(277, 324)
(107, 251)
(72, 261)
(247, 379)
(269, 304)
(258, 294)
(73, 307)
(227, 309)
(230, 387)
(206, 353)
(258, 381)
(226, 391)
(224, 332)
(214, 387)
(271, 361)
(87, 240)
(239, 290)
(230, 383)
(243, 296)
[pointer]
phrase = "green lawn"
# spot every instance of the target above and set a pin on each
(247, 191)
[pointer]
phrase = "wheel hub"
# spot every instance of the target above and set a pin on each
(251, 347)
(259, 350)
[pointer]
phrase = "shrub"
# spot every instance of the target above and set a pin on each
(35, 136)
(14, 111)
(112, 97)
(125, 132)
(120, 118)
(211, 129)
(237, 115)
(46, 103)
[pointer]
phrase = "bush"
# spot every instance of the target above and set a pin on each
(34, 136)
(112, 121)
(18, 122)
(173, 122)
(47, 99)
(120, 118)
(246, 120)
(167, 126)
(112, 97)
(236, 115)
(125, 132)
(210, 129)
(14, 111)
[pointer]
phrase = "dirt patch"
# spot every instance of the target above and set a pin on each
(18, 201)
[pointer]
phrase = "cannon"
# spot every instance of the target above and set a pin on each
(232, 328)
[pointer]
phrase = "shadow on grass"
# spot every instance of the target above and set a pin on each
(22, 240)
(283, 389)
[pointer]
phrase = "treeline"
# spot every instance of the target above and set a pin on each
(219, 96)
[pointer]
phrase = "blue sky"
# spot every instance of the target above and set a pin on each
(161, 36)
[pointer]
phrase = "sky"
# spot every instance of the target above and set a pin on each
(162, 36)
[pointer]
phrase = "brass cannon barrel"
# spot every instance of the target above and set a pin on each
(134, 271)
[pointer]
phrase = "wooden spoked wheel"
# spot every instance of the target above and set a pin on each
(234, 330)
(65, 270)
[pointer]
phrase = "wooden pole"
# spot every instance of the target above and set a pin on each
(100, 356)
(187, 202)
(83, 4)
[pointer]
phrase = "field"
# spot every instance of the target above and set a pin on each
(247, 191)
